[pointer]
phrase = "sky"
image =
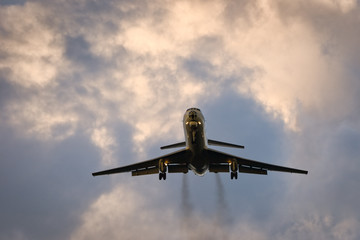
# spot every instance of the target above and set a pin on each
(91, 85)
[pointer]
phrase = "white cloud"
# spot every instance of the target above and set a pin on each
(103, 139)
(346, 229)
(128, 85)
(42, 116)
(344, 5)
(134, 218)
(321, 227)
(289, 73)
(292, 74)
(128, 213)
(32, 50)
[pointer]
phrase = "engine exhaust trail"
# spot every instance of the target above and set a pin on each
(223, 217)
(186, 207)
(221, 205)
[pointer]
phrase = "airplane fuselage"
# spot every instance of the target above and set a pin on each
(194, 130)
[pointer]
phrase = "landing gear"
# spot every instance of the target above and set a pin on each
(162, 168)
(162, 176)
(234, 167)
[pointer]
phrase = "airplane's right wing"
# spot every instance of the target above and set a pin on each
(175, 162)
(247, 165)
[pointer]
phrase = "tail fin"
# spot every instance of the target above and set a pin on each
(223, 144)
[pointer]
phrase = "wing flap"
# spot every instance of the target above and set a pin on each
(128, 168)
(147, 167)
(146, 171)
(252, 170)
(247, 164)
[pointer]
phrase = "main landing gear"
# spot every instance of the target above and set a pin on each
(162, 168)
(233, 175)
(162, 176)
(234, 168)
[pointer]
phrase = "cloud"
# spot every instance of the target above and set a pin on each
(133, 218)
(321, 227)
(288, 73)
(50, 101)
(293, 74)
(31, 51)
(137, 217)
(121, 74)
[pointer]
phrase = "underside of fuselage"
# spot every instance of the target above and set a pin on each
(195, 140)
(199, 165)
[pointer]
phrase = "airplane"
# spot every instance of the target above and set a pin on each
(197, 157)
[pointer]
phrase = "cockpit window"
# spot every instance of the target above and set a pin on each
(196, 109)
(192, 115)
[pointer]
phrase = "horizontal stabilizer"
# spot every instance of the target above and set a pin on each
(176, 145)
(223, 144)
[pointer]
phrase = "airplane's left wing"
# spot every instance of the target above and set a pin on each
(247, 165)
(151, 166)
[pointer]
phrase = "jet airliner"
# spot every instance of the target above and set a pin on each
(196, 156)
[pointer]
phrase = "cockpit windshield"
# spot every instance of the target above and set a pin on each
(196, 109)
(192, 115)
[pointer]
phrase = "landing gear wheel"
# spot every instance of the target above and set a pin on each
(233, 175)
(162, 176)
